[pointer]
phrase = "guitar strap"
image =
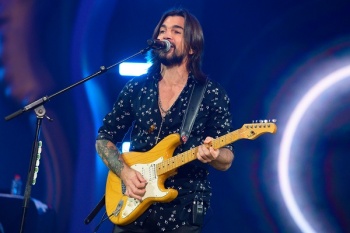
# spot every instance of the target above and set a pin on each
(196, 97)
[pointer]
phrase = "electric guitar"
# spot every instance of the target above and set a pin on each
(156, 165)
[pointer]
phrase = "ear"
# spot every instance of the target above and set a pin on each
(191, 51)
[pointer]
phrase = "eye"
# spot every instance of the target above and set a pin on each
(161, 31)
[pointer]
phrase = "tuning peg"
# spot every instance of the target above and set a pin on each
(264, 121)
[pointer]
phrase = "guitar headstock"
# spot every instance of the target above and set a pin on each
(254, 130)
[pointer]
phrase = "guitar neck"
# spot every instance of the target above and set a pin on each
(190, 155)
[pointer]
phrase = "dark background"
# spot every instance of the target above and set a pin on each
(268, 55)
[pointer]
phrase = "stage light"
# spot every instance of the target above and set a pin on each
(133, 68)
(285, 147)
(125, 147)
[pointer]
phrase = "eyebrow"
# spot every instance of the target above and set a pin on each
(174, 27)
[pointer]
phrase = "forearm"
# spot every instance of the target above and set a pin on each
(224, 160)
(110, 155)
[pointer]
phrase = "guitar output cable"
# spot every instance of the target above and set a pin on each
(103, 218)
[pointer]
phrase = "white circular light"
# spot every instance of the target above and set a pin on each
(287, 139)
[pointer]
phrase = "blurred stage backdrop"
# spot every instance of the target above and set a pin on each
(285, 60)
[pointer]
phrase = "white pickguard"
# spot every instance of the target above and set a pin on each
(149, 172)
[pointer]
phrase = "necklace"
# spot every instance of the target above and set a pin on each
(160, 128)
(163, 112)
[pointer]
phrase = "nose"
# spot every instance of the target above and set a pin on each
(166, 35)
(168, 38)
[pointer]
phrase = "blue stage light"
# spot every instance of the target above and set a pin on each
(125, 147)
(133, 68)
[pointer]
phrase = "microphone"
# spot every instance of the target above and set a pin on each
(159, 44)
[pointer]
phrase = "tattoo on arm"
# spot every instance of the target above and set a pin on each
(110, 155)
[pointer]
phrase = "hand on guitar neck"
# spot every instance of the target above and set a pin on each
(220, 158)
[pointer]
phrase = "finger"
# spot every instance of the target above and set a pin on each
(208, 154)
(201, 156)
(140, 178)
(135, 186)
(204, 151)
(203, 160)
(214, 153)
(133, 195)
(136, 193)
(208, 140)
(140, 185)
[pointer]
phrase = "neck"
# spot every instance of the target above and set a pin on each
(174, 75)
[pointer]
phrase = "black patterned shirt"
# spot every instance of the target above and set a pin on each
(137, 107)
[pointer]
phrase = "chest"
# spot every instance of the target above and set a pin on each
(168, 95)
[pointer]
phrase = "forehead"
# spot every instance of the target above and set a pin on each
(174, 21)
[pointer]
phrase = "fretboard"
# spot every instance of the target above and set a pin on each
(190, 155)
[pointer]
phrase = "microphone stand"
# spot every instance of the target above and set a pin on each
(40, 112)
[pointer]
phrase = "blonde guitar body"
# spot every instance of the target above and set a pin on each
(145, 163)
(157, 165)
